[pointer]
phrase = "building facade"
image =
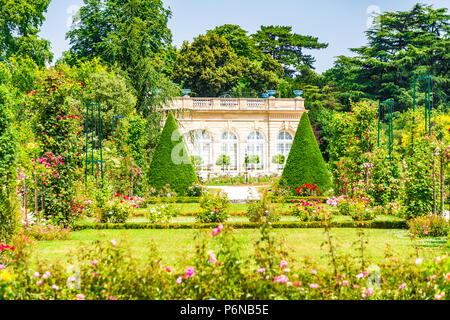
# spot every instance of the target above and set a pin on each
(221, 133)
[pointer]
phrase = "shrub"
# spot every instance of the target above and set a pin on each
(260, 211)
(8, 215)
(8, 141)
(163, 213)
(214, 208)
(195, 190)
(8, 153)
(309, 210)
(417, 196)
(6, 252)
(47, 232)
(150, 201)
(308, 190)
(361, 213)
(165, 191)
(58, 127)
(171, 163)
(116, 211)
(357, 207)
(305, 164)
(278, 191)
(228, 179)
(431, 226)
(352, 146)
(391, 208)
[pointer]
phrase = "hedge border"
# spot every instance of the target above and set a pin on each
(156, 200)
(243, 225)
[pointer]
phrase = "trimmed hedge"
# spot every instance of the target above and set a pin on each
(164, 169)
(243, 225)
(305, 164)
(232, 213)
(170, 200)
(197, 199)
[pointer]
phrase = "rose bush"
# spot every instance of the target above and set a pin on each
(107, 271)
(214, 208)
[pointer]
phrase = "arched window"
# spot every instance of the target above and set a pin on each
(284, 144)
(199, 145)
(229, 147)
(255, 150)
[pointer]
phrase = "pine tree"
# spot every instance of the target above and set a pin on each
(305, 164)
(171, 163)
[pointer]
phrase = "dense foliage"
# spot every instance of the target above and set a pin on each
(107, 271)
(20, 21)
(402, 44)
(171, 163)
(305, 164)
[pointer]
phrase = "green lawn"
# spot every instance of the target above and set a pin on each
(176, 246)
(234, 207)
(239, 218)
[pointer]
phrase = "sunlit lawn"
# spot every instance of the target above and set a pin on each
(234, 207)
(176, 246)
(241, 218)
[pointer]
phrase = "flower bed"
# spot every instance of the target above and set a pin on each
(154, 200)
(107, 271)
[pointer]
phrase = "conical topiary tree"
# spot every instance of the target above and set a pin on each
(305, 164)
(171, 163)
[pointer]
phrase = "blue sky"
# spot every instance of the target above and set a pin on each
(340, 23)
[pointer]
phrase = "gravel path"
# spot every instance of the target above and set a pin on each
(239, 194)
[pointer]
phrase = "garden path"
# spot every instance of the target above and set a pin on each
(239, 194)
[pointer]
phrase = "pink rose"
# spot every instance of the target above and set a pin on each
(190, 272)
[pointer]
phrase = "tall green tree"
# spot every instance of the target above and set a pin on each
(240, 41)
(132, 35)
(210, 66)
(171, 163)
(20, 23)
(404, 43)
(118, 31)
(305, 164)
(287, 47)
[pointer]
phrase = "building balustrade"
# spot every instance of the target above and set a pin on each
(275, 104)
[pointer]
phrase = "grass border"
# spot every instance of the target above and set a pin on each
(175, 200)
(243, 225)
